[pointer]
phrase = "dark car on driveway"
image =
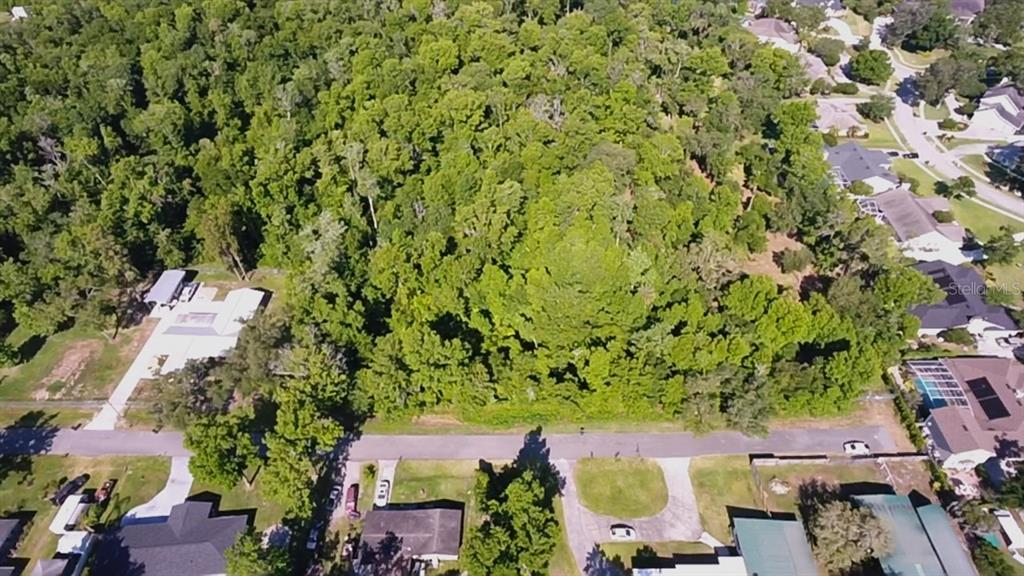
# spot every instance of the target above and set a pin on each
(912, 155)
(69, 488)
(352, 502)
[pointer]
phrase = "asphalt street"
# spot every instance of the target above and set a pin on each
(468, 447)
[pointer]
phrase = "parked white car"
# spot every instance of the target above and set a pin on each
(856, 448)
(623, 532)
(383, 494)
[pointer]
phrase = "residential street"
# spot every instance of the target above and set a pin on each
(467, 447)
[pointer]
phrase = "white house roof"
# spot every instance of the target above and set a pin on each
(1010, 528)
(166, 287)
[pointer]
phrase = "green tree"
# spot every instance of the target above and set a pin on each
(878, 108)
(1002, 22)
(871, 67)
(844, 536)
(1002, 248)
(961, 187)
(248, 557)
(989, 560)
(828, 49)
(222, 448)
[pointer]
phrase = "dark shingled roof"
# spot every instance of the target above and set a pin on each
(856, 162)
(10, 528)
(421, 532)
(189, 543)
(965, 300)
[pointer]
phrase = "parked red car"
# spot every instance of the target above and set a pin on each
(352, 501)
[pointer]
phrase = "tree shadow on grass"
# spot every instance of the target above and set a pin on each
(599, 564)
(31, 434)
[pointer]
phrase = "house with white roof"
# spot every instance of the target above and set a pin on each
(918, 234)
(1000, 113)
(775, 32)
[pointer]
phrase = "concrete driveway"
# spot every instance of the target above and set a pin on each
(179, 484)
(844, 31)
(679, 520)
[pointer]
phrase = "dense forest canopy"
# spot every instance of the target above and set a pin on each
(513, 210)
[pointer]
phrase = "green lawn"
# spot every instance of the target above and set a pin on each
(242, 497)
(625, 552)
(920, 59)
(981, 221)
(858, 25)
(621, 487)
(562, 562)
(78, 363)
(718, 482)
(907, 167)
(957, 142)
(976, 161)
(216, 275)
(30, 418)
(936, 113)
(879, 136)
(797, 474)
(21, 490)
(1008, 278)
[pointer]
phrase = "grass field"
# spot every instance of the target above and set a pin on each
(936, 113)
(920, 59)
(1008, 278)
(139, 479)
(976, 161)
(957, 142)
(879, 136)
(981, 221)
(621, 487)
(43, 418)
(242, 497)
(858, 25)
(75, 364)
(907, 167)
(720, 482)
(797, 474)
(626, 552)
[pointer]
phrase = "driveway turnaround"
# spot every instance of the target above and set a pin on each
(470, 447)
(179, 484)
(679, 520)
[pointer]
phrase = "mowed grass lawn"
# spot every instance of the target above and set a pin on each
(908, 167)
(718, 483)
(629, 553)
(879, 136)
(78, 363)
(621, 487)
(29, 482)
(243, 497)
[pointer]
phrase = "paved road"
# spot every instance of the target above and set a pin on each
(468, 447)
(944, 164)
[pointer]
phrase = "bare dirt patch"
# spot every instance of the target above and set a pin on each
(69, 368)
(764, 262)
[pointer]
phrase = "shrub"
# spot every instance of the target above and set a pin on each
(795, 260)
(828, 49)
(957, 336)
(913, 183)
(967, 109)
(859, 188)
(951, 124)
(943, 216)
(877, 108)
(847, 88)
(821, 86)
(830, 138)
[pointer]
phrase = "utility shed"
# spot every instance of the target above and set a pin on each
(774, 547)
(912, 553)
(944, 541)
(167, 288)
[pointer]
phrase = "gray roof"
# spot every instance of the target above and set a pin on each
(774, 547)
(773, 28)
(855, 162)
(189, 543)
(824, 4)
(964, 300)
(54, 567)
(10, 529)
(1010, 91)
(911, 216)
(166, 288)
(912, 551)
(813, 65)
(966, 8)
(1016, 120)
(421, 531)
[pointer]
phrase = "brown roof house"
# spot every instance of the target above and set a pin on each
(976, 409)
(918, 234)
(400, 540)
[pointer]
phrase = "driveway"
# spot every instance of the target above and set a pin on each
(179, 484)
(844, 31)
(678, 521)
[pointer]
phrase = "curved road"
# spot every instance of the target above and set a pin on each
(469, 447)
